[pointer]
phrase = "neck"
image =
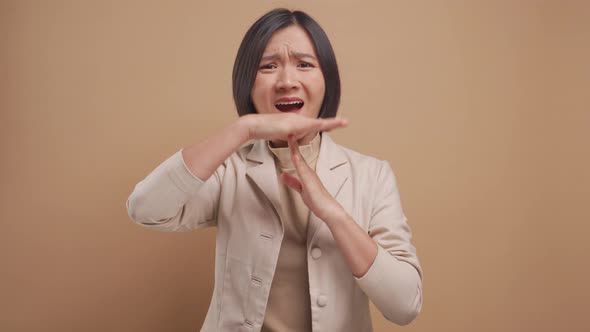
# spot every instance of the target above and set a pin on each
(302, 141)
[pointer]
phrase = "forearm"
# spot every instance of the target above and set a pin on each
(203, 158)
(400, 298)
(358, 249)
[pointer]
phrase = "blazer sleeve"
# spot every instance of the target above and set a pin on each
(172, 199)
(394, 280)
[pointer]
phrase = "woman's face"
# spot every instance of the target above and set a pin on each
(289, 77)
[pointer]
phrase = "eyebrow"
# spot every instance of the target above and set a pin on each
(298, 55)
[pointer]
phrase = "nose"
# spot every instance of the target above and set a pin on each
(287, 79)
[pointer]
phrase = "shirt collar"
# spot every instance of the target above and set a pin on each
(309, 152)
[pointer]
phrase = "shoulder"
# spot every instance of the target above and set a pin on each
(367, 169)
(363, 162)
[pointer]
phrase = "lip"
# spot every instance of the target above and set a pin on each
(288, 99)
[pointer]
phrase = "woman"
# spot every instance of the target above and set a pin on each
(307, 231)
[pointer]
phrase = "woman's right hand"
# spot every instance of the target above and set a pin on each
(280, 126)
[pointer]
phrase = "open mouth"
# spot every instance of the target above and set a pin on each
(289, 106)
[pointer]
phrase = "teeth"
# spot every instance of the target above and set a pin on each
(290, 103)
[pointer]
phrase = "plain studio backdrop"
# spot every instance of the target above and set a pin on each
(481, 107)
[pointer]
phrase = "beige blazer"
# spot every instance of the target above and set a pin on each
(242, 200)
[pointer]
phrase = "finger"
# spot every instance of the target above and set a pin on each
(294, 148)
(292, 182)
(332, 123)
(301, 166)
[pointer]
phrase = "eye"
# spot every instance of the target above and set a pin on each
(305, 65)
(267, 67)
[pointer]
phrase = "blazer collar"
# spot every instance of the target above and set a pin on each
(330, 152)
(331, 168)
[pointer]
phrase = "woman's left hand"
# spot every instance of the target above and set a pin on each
(359, 250)
(314, 194)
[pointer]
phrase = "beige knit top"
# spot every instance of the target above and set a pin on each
(288, 308)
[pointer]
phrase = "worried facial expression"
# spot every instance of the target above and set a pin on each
(289, 77)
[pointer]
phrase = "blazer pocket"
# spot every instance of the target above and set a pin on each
(234, 299)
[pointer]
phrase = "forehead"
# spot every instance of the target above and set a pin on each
(293, 37)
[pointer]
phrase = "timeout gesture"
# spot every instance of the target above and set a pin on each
(309, 186)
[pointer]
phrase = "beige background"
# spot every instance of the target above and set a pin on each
(481, 107)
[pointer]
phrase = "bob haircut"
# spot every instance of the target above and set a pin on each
(252, 48)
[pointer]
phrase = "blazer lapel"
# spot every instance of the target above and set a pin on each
(264, 175)
(332, 168)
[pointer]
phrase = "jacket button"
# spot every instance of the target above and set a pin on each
(316, 253)
(322, 301)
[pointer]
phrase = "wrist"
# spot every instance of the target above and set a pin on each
(244, 126)
(335, 215)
